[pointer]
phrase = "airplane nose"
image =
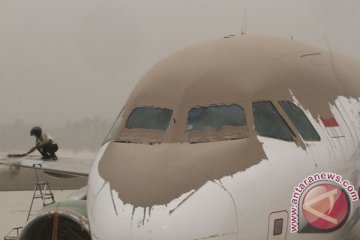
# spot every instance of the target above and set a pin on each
(166, 191)
(206, 213)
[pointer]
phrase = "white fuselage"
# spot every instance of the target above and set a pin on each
(243, 205)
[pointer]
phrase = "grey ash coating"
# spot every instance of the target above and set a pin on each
(234, 70)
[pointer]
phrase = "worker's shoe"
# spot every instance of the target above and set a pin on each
(45, 158)
(53, 156)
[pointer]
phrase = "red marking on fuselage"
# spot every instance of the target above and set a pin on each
(329, 122)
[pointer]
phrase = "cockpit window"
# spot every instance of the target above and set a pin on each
(301, 122)
(149, 118)
(215, 117)
(269, 123)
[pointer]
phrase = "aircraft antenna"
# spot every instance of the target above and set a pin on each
(243, 27)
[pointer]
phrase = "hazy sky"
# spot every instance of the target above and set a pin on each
(65, 60)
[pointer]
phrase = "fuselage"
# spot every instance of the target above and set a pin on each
(213, 140)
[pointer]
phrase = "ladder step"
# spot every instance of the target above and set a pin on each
(43, 197)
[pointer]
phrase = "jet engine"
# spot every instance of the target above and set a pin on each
(60, 221)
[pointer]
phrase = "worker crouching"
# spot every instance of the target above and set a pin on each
(45, 144)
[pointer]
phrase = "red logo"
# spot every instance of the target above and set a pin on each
(325, 207)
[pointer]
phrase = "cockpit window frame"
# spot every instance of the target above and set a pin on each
(119, 121)
(142, 135)
(298, 128)
(209, 135)
(147, 108)
(280, 117)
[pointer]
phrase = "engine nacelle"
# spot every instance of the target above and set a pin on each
(61, 221)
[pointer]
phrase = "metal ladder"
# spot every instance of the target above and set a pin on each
(14, 234)
(42, 191)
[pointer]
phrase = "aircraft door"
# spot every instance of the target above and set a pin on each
(278, 225)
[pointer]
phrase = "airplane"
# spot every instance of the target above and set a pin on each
(241, 137)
